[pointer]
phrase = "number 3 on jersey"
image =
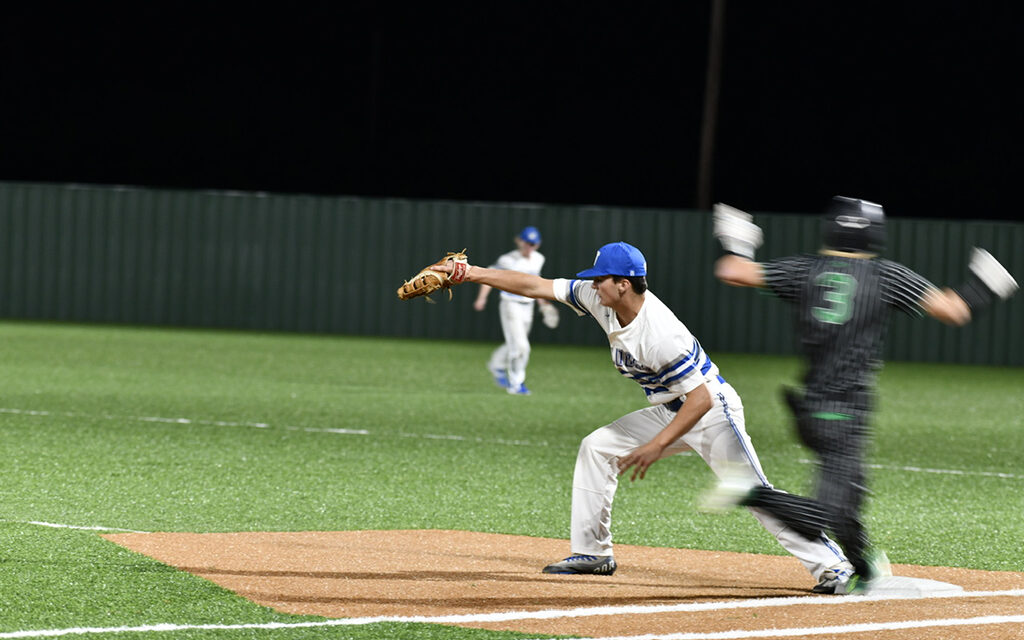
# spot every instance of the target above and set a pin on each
(840, 290)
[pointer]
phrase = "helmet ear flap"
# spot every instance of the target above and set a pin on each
(850, 224)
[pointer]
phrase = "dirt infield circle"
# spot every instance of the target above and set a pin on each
(356, 574)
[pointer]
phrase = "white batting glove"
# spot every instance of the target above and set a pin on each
(736, 231)
(992, 273)
(549, 315)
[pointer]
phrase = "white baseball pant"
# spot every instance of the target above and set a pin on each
(720, 438)
(514, 354)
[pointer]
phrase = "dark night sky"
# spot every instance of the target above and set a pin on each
(915, 105)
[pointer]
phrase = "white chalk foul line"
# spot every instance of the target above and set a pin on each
(449, 437)
(597, 611)
(430, 436)
(803, 632)
(948, 472)
(264, 425)
(756, 603)
(55, 525)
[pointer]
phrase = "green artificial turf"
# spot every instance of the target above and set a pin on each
(212, 431)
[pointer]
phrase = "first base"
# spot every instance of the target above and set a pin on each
(901, 586)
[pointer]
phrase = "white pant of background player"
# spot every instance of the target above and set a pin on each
(513, 356)
(720, 438)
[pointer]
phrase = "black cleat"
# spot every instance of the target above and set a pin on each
(598, 565)
(834, 578)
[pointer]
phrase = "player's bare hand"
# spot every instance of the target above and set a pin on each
(480, 305)
(640, 459)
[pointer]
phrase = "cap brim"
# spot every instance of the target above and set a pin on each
(591, 273)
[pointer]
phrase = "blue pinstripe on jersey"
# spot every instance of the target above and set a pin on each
(657, 382)
(574, 301)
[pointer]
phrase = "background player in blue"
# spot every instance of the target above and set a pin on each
(691, 406)
(508, 362)
(842, 296)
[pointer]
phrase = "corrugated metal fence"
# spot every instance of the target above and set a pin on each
(320, 264)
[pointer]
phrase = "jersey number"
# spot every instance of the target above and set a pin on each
(841, 287)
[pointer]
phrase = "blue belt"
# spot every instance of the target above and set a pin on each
(677, 404)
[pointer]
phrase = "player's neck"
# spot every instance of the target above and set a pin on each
(628, 308)
(860, 255)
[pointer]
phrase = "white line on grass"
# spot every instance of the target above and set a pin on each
(948, 472)
(264, 425)
(451, 437)
(801, 601)
(802, 632)
(79, 528)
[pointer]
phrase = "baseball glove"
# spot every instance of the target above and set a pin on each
(427, 281)
(549, 315)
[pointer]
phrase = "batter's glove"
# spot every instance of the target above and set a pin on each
(427, 281)
(736, 231)
(549, 315)
(988, 280)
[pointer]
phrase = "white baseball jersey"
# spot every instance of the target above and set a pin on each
(655, 349)
(515, 261)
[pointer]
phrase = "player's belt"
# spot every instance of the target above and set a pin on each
(677, 404)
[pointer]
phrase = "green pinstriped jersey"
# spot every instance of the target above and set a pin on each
(842, 307)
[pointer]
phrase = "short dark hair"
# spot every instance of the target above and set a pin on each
(639, 283)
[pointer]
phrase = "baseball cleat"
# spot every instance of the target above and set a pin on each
(521, 390)
(833, 578)
(858, 584)
(500, 378)
(855, 586)
(880, 567)
(734, 485)
(597, 565)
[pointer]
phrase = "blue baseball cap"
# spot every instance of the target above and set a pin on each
(617, 259)
(530, 234)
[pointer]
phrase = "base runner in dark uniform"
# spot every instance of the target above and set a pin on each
(843, 296)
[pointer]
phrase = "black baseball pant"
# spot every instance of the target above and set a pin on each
(838, 435)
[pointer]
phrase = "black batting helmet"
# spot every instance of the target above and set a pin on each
(854, 225)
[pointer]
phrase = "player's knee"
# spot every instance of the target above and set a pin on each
(596, 444)
(591, 442)
(845, 519)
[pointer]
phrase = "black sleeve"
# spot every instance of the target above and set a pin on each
(785, 276)
(903, 288)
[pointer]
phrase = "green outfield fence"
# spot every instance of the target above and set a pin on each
(332, 264)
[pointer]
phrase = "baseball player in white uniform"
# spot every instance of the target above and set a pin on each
(692, 407)
(508, 362)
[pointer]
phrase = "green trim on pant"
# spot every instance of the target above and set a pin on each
(828, 415)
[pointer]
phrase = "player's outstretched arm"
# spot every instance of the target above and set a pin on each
(988, 282)
(517, 282)
(946, 306)
(739, 271)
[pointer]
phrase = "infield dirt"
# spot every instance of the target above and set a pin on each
(433, 573)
